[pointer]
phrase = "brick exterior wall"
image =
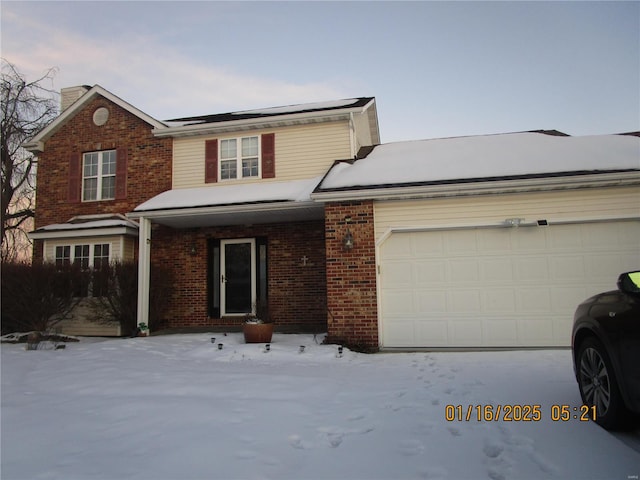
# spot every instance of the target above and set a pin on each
(334, 292)
(296, 292)
(351, 275)
(148, 164)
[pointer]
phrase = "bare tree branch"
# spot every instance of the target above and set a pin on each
(26, 109)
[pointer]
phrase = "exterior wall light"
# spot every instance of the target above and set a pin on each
(347, 241)
(193, 251)
(513, 222)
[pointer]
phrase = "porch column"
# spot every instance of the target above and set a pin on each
(144, 266)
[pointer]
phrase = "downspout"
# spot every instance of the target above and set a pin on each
(144, 267)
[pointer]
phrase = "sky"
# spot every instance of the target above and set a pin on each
(437, 69)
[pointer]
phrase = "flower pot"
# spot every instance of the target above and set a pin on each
(257, 332)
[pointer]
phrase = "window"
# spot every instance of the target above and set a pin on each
(239, 158)
(100, 274)
(99, 176)
(236, 158)
(81, 261)
(63, 256)
(90, 259)
(100, 255)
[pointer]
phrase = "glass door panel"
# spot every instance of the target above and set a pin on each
(238, 276)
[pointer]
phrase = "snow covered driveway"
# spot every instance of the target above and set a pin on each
(176, 407)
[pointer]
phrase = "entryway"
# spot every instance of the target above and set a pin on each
(237, 276)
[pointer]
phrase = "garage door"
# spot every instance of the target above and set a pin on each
(497, 287)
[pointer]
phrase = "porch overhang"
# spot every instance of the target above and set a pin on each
(83, 226)
(240, 204)
(246, 214)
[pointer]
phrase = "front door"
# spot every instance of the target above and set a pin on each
(238, 276)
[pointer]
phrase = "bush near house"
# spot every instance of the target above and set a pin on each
(118, 300)
(37, 297)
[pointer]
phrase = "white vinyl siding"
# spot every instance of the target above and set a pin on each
(571, 205)
(362, 130)
(128, 248)
(86, 322)
(301, 152)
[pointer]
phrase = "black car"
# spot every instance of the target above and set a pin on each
(606, 353)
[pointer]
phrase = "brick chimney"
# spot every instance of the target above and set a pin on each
(69, 95)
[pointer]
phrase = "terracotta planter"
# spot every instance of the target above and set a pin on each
(257, 332)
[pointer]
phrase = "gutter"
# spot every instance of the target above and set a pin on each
(82, 232)
(436, 190)
(283, 206)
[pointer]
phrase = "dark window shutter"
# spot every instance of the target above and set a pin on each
(75, 177)
(268, 155)
(121, 173)
(211, 161)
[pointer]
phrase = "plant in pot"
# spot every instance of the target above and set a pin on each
(258, 327)
(143, 330)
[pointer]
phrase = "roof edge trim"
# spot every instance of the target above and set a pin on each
(82, 233)
(495, 186)
(261, 122)
(283, 205)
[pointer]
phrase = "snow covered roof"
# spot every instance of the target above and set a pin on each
(483, 158)
(273, 111)
(225, 195)
(88, 225)
(233, 204)
(289, 115)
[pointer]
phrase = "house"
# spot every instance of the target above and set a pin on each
(222, 200)
(483, 241)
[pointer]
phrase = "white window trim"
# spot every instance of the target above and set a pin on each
(100, 176)
(239, 158)
(73, 246)
(92, 259)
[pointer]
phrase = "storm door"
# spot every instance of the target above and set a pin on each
(237, 276)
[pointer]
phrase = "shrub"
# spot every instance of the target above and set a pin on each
(119, 294)
(37, 297)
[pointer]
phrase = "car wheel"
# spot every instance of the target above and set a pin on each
(599, 386)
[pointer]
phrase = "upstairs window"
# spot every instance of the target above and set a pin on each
(95, 176)
(236, 158)
(239, 158)
(99, 176)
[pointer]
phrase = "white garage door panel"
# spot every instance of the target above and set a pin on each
(498, 286)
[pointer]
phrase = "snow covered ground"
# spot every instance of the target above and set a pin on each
(177, 407)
